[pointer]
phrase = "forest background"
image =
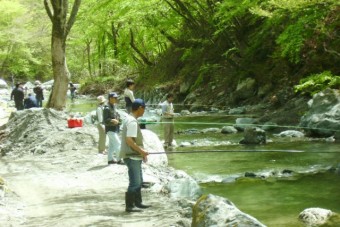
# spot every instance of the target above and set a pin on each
(209, 45)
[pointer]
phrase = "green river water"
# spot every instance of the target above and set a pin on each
(274, 201)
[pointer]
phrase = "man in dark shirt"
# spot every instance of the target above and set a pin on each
(18, 96)
(111, 120)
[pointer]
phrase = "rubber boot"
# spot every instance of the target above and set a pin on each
(138, 200)
(129, 202)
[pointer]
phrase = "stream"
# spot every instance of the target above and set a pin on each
(291, 182)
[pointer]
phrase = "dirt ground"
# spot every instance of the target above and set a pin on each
(75, 188)
(47, 179)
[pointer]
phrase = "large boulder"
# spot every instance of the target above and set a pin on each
(323, 117)
(154, 146)
(3, 84)
(254, 135)
(243, 122)
(211, 210)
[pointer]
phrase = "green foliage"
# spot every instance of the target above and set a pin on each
(24, 48)
(206, 71)
(318, 82)
(300, 21)
(198, 41)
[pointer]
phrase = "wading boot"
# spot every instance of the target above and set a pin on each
(129, 202)
(138, 200)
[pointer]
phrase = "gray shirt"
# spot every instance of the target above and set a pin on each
(131, 129)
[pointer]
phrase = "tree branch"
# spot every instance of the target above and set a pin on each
(73, 15)
(48, 10)
(132, 44)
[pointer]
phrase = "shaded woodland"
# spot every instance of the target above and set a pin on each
(278, 43)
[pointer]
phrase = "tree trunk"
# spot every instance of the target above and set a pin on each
(88, 53)
(60, 73)
(57, 12)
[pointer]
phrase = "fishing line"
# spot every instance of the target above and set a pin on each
(241, 151)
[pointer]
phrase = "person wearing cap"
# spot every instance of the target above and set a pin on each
(111, 120)
(18, 95)
(100, 125)
(39, 94)
(128, 94)
(168, 120)
(133, 153)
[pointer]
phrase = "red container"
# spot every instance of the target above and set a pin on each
(75, 122)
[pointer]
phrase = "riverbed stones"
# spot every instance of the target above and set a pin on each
(211, 210)
(323, 117)
(315, 216)
(290, 133)
(228, 130)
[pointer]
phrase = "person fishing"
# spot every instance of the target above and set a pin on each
(133, 153)
(111, 120)
(168, 120)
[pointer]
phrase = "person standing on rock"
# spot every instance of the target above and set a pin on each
(18, 95)
(133, 153)
(168, 120)
(39, 93)
(128, 94)
(111, 120)
(100, 125)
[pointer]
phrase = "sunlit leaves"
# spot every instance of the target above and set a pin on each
(318, 82)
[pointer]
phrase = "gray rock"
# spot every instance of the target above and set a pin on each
(323, 117)
(291, 133)
(242, 123)
(3, 84)
(245, 89)
(211, 130)
(185, 112)
(211, 210)
(238, 110)
(315, 216)
(269, 126)
(184, 87)
(183, 187)
(254, 135)
(228, 130)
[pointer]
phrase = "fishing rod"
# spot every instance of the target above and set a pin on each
(241, 151)
(232, 124)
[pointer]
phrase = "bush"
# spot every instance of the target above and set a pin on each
(318, 82)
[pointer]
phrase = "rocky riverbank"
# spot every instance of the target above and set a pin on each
(52, 175)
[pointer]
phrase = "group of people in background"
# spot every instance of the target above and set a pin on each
(25, 100)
